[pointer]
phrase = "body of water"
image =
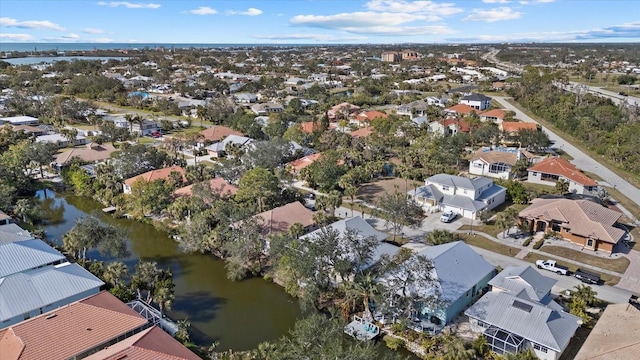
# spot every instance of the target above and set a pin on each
(35, 47)
(239, 315)
(32, 60)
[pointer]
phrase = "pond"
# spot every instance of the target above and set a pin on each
(239, 315)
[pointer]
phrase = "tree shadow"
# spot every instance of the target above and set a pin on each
(199, 305)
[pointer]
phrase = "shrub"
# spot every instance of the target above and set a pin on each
(538, 244)
(398, 328)
(393, 343)
(528, 241)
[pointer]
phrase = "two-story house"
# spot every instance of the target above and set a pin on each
(496, 162)
(519, 313)
(550, 170)
(464, 196)
(477, 101)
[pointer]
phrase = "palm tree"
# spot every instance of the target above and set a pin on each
(22, 208)
(455, 349)
(164, 297)
(183, 331)
(585, 293)
(129, 119)
(364, 288)
(114, 273)
(351, 191)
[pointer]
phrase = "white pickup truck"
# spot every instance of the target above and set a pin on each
(552, 266)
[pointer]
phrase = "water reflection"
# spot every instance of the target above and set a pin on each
(239, 315)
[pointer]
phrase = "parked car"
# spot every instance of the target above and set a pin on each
(448, 216)
(623, 93)
(156, 134)
(587, 277)
(551, 265)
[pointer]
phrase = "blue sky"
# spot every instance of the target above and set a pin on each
(319, 21)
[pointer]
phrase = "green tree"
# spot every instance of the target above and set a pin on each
(89, 233)
(114, 273)
(258, 185)
(42, 153)
(22, 209)
(562, 187)
(150, 197)
(365, 288)
(399, 211)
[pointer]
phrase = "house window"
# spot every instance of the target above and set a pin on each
(498, 168)
(540, 348)
(478, 165)
(445, 187)
(534, 173)
(549, 177)
(590, 242)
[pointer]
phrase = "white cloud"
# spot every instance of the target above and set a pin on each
(544, 1)
(129, 5)
(30, 24)
(249, 12)
(356, 19)
(93, 31)
(313, 37)
(71, 37)
(493, 15)
(495, 1)
(433, 10)
(204, 10)
(16, 37)
(101, 40)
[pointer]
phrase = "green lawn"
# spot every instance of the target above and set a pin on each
(618, 265)
(489, 227)
(533, 257)
(482, 242)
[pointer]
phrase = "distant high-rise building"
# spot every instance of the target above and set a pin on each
(391, 56)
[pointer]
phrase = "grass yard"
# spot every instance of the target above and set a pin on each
(489, 227)
(533, 257)
(618, 265)
(631, 178)
(482, 242)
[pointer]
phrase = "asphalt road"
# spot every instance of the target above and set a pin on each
(614, 96)
(580, 159)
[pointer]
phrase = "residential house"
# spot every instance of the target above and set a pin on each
(459, 194)
(510, 129)
(299, 164)
(362, 132)
(414, 108)
(498, 85)
(364, 230)
(91, 153)
(448, 127)
(308, 127)
(245, 98)
(553, 169)
(615, 335)
(282, 218)
(30, 293)
(20, 256)
(217, 185)
(496, 162)
(148, 127)
(150, 176)
(266, 108)
(220, 149)
(365, 118)
(73, 331)
(582, 222)
(477, 101)
(152, 343)
(217, 133)
(36, 131)
(19, 120)
(459, 110)
(460, 275)
(10, 232)
(61, 140)
(437, 101)
(494, 115)
(519, 313)
(344, 110)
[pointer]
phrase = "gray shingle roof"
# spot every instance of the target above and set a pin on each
(427, 192)
(24, 255)
(476, 97)
(457, 267)
(463, 202)
(544, 325)
(23, 292)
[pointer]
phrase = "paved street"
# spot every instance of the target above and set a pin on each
(580, 159)
(614, 96)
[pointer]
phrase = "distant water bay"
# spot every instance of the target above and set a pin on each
(37, 47)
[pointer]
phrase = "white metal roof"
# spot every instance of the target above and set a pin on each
(20, 256)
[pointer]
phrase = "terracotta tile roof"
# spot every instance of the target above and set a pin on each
(362, 132)
(494, 113)
(27, 129)
(515, 126)
(280, 219)
(151, 344)
(70, 330)
(216, 184)
(562, 167)
(303, 162)
(307, 127)
(582, 217)
(218, 132)
(370, 115)
(615, 335)
(91, 153)
(461, 109)
(153, 175)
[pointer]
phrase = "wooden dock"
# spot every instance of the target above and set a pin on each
(361, 329)
(109, 210)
